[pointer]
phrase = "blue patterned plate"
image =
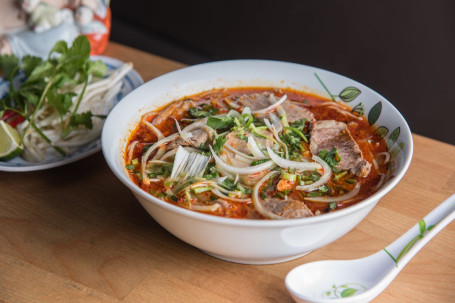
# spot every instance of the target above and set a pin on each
(131, 81)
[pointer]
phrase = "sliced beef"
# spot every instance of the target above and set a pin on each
(327, 134)
(199, 136)
(295, 111)
(257, 101)
(175, 110)
(287, 208)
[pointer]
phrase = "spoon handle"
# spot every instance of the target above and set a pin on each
(409, 244)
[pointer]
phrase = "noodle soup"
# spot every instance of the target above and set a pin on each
(257, 153)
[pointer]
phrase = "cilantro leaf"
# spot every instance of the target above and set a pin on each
(62, 102)
(82, 119)
(220, 122)
(228, 184)
(29, 63)
(332, 158)
(9, 65)
(42, 70)
(60, 47)
(96, 68)
(219, 142)
(206, 111)
(299, 124)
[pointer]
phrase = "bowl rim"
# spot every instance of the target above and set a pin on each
(374, 198)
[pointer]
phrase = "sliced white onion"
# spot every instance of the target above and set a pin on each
(186, 135)
(277, 138)
(230, 148)
(241, 170)
(220, 179)
(217, 192)
(232, 113)
(191, 164)
(323, 180)
(246, 110)
(254, 148)
(255, 196)
(161, 151)
(232, 103)
(276, 122)
(154, 129)
(284, 163)
(146, 155)
(173, 151)
(341, 198)
(131, 150)
(242, 159)
(271, 107)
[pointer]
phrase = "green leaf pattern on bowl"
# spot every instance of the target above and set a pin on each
(344, 290)
(348, 94)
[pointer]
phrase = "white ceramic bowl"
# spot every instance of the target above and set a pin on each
(255, 241)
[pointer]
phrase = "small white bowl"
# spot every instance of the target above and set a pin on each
(255, 241)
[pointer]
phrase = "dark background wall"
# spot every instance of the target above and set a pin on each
(405, 50)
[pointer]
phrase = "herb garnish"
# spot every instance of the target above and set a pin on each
(206, 111)
(332, 158)
(45, 80)
(220, 122)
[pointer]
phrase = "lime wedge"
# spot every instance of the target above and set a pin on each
(10, 142)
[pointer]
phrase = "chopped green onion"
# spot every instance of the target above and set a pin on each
(248, 118)
(260, 161)
(333, 205)
(201, 189)
(289, 177)
(168, 183)
(340, 175)
(298, 132)
(129, 166)
(350, 181)
(135, 161)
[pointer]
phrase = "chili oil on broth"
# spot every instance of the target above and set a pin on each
(220, 102)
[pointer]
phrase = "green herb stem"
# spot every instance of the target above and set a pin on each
(325, 87)
(298, 132)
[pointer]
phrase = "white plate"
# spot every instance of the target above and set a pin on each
(131, 81)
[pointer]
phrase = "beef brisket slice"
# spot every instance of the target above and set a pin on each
(329, 134)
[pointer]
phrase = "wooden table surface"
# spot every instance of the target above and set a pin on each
(76, 234)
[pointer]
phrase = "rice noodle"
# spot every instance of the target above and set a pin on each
(98, 98)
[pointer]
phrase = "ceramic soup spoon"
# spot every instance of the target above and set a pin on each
(363, 279)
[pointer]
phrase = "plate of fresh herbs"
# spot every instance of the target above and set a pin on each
(52, 110)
